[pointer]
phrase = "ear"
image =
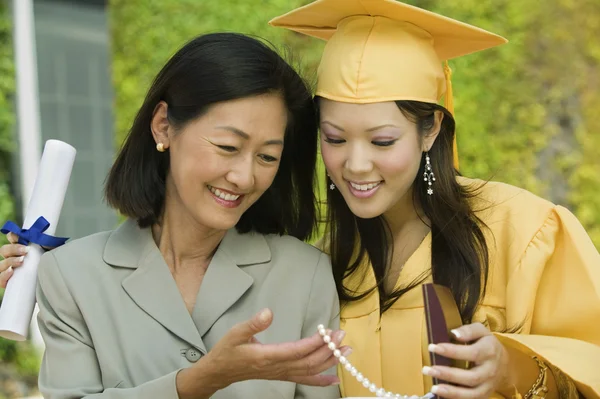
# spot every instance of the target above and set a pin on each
(160, 125)
(430, 137)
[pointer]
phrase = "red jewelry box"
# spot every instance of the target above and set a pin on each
(441, 316)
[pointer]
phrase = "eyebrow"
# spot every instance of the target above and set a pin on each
(246, 136)
(381, 127)
(372, 129)
(334, 125)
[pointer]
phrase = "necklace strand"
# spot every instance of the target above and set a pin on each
(379, 392)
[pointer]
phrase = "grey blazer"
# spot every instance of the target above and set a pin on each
(115, 325)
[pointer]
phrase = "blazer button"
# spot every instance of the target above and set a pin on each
(192, 355)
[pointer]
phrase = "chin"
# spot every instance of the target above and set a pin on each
(365, 212)
(219, 222)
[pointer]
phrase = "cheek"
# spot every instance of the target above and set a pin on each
(332, 157)
(400, 163)
(192, 167)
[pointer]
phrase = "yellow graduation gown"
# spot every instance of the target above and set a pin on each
(544, 274)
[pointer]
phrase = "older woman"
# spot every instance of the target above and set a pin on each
(218, 167)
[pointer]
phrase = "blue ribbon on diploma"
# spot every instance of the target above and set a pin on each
(34, 234)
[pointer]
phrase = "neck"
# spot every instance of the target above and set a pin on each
(183, 242)
(405, 215)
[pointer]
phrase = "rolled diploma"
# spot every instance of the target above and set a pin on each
(46, 200)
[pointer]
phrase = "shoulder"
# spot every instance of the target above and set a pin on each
(294, 251)
(515, 219)
(77, 265)
(284, 261)
(281, 252)
(498, 203)
(91, 244)
(299, 260)
(81, 260)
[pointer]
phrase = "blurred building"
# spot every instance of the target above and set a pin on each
(75, 100)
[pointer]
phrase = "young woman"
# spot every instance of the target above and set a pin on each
(523, 271)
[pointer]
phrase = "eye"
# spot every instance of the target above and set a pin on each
(333, 141)
(227, 148)
(383, 143)
(267, 158)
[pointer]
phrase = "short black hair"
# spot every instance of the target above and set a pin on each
(210, 69)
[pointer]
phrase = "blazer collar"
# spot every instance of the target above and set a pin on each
(152, 287)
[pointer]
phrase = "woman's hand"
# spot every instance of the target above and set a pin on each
(490, 372)
(238, 356)
(12, 256)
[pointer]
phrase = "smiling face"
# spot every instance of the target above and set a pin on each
(372, 153)
(222, 162)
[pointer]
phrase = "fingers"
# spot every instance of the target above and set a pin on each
(478, 352)
(14, 255)
(292, 351)
(13, 250)
(12, 238)
(5, 276)
(470, 332)
(471, 353)
(468, 378)
(244, 332)
(307, 357)
(322, 359)
(11, 262)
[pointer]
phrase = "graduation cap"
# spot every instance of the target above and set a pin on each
(384, 50)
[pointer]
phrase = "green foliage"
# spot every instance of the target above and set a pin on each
(17, 355)
(145, 33)
(525, 110)
(7, 118)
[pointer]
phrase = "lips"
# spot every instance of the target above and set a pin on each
(364, 189)
(225, 198)
(364, 186)
(223, 195)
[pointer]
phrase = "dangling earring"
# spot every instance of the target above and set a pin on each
(332, 185)
(428, 175)
(160, 147)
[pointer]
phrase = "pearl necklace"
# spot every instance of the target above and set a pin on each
(379, 392)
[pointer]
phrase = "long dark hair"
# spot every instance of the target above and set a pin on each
(210, 69)
(459, 251)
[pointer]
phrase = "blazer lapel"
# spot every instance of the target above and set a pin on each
(225, 281)
(151, 286)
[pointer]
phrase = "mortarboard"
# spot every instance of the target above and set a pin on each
(385, 50)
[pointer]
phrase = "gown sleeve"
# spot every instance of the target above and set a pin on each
(554, 294)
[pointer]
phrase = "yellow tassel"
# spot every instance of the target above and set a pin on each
(449, 105)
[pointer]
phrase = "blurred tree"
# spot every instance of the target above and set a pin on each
(145, 33)
(525, 111)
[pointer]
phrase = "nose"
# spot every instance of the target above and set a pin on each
(358, 160)
(241, 174)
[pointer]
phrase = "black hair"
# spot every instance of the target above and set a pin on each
(459, 253)
(210, 69)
